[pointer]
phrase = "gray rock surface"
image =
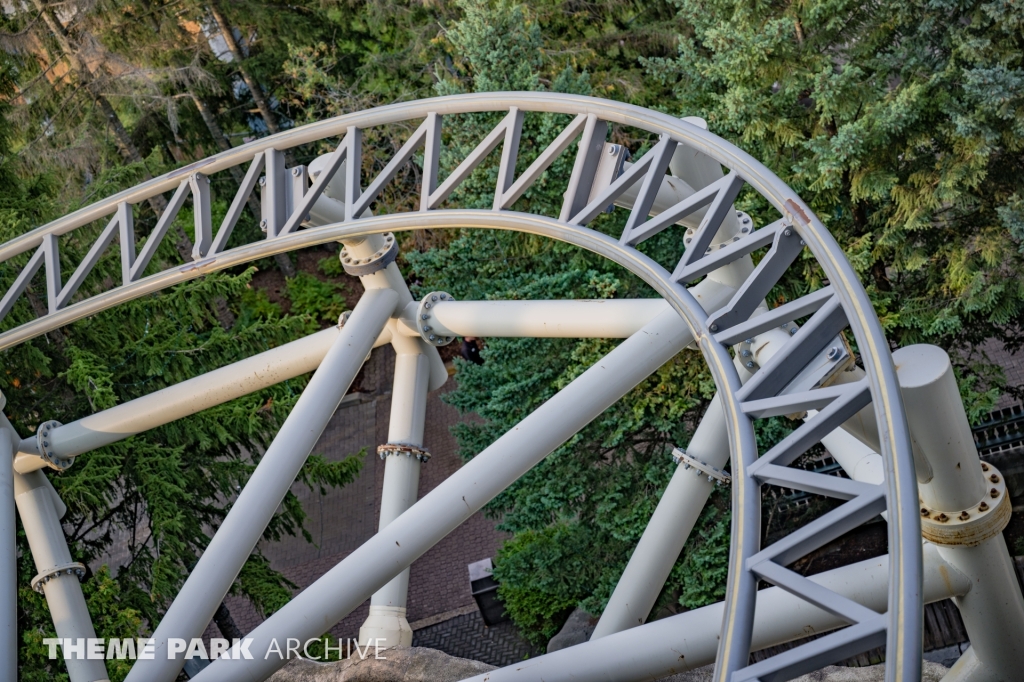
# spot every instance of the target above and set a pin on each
(403, 664)
(930, 672)
(418, 664)
(576, 630)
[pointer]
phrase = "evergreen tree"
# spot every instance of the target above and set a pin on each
(577, 515)
(900, 123)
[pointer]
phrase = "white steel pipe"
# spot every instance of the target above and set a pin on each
(387, 624)
(63, 592)
(8, 555)
(690, 640)
(188, 397)
(329, 208)
(993, 610)
(205, 588)
(615, 318)
(940, 429)
(393, 548)
(668, 529)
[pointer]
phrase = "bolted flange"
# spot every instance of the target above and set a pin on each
(388, 449)
(746, 355)
(746, 227)
(45, 446)
(714, 474)
(970, 527)
(424, 324)
(359, 267)
(74, 568)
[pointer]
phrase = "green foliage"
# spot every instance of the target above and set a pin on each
(322, 301)
(577, 515)
(899, 122)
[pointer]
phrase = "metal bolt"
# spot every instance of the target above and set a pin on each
(983, 506)
(964, 516)
(736, 238)
(688, 240)
(714, 327)
(424, 317)
(993, 493)
(745, 353)
(942, 518)
(924, 512)
(432, 337)
(46, 444)
(994, 478)
(427, 328)
(708, 250)
(748, 340)
(788, 233)
(744, 229)
(612, 148)
(295, 172)
(833, 353)
(263, 181)
(686, 465)
(794, 330)
(984, 467)
(739, 213)
(746, 221)
(427, 306)
(750, 365)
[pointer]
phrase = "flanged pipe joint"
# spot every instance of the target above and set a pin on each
(964, 508)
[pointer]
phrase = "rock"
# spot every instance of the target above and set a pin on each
(402, 664)
(930, 672)
(576, 630)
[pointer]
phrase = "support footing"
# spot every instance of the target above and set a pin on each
(388, 626)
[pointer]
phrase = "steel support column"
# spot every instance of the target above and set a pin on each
(209, 582)
(57, 575)
(188, 397)
(387, 625)
(968, 537)
(383, 556)
(690, 640)
(8, 554)
(666, 533)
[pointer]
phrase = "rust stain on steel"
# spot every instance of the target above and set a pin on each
(797, 212)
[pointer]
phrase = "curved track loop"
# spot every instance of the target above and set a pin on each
(773, 389)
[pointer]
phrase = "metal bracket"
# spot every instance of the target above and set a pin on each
(45, 451)
(359, 267)
(609, 168)
(746, 227)
(821, 371)
(971, 527)
(716, 476)
(743, 349)
(73, 568)
(399, 449)
(423, 325)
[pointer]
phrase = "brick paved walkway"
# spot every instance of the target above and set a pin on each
(343, 519)
(466, 636)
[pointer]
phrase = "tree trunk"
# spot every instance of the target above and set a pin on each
(129, 151)
(254, 87)
(226, 624)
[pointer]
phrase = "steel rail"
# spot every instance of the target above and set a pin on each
(904, 632)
